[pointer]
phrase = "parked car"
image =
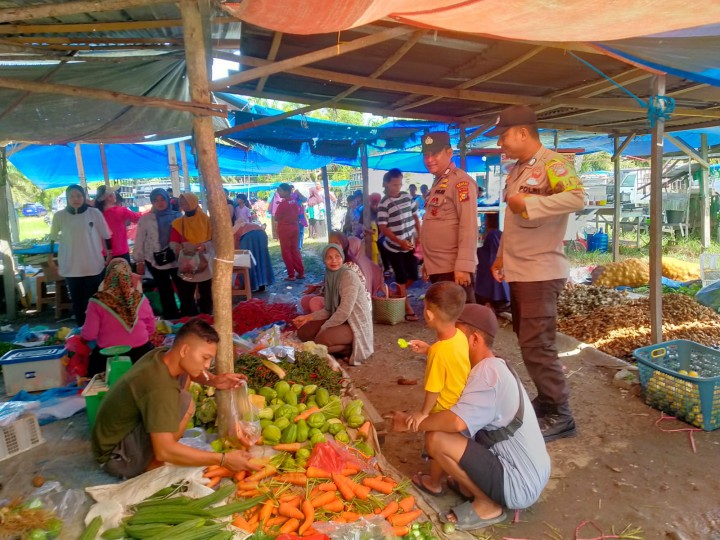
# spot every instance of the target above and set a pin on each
(33, 210)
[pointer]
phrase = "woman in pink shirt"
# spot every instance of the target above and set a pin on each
(118, 314)
(116, 216)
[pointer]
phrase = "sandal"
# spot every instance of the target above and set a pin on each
(418, 483)
(411, 317)
(453, 485)
(467, 520)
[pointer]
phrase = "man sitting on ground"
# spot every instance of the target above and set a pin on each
(489, 442)
(145, 413)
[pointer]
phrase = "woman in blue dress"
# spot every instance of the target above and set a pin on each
(252, 237)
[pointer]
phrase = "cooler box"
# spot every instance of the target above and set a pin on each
(33, 369)
(94, 393)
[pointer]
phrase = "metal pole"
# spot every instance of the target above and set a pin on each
(103, 161)
(183, 161)
(328, 207)
(616, 195)
(656, 221)
(8, 260)
(80, 166)
(705, 192)
(366, 196)
(173, 164)
(463, 149)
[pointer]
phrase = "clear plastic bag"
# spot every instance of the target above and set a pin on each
(239, 424)
(64, 502)
(375, 528)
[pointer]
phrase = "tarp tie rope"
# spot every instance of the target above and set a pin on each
(657, 106)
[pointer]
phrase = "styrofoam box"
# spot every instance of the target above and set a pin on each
(242, 258)
(33, 369)
(23, 434)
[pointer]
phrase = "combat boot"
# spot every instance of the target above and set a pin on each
(558, 423)
(541, 407)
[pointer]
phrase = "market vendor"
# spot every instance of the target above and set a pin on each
(344, 324)
(143, 416)
(489, 443)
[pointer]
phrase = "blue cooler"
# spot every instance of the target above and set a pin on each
(33, 369)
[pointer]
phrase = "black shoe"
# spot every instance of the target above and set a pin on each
(541, 408)
(557, 426)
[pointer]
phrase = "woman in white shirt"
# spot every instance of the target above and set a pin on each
(83, 235)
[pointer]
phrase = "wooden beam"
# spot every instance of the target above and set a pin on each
(80, 165)
(365, 171)
(617, 155)
(6, 253)
(628, 105)
(204, 137)
(119, 26)
(46, 11)
(272, 55)
(617, 208)
(202, 109)
(656, 220)
(271, 119)
(328, 206)
(103, 162)
(687, 149)
(482, 78)
(173, 166)
(184, 164)
(705, 199)
(328, 52)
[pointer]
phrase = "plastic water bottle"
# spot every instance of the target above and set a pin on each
(598, 242)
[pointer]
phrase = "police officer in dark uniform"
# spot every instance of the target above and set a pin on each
(449, 229)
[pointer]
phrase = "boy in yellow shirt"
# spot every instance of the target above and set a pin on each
(448, 365)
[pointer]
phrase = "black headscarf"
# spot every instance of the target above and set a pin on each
(84, 206)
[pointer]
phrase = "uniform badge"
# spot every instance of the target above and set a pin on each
(536, 173)
(532, 162)
(434, 211)
(559, 169)
(428, 140)
(433, 201)
(531, 182)
(463, 190)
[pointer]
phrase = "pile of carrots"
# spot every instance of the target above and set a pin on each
(297, 500)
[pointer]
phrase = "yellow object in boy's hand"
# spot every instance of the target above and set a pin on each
(402, 343)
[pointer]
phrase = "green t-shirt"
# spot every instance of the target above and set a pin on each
(146, 394)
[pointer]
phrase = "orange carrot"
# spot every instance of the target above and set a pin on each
(240, 523)
(349, 516)
(290, 526)
(295, 501)
(213, 482)
(315, 492)
(295, 478)
(336, 505)
(389, 480)
(345, 490)
(405, 518)
(407, 503)
(350, 471)
(330, 486)
(401, 530)
(289, 447)
(314, 472)
(391, 508)
(220, 472)
(290, 511)
(306, 413)
(322, 500)
(274, 522)
(248, 493)
(287, 497)
(309, 512)
(253, 519)
(311, 531)
(361, 492)
(248, 485)
(363, 431)
(266, 510)
(378, 485)
(262, 474)
(239, 476)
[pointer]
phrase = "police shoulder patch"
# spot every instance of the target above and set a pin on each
(463, 190)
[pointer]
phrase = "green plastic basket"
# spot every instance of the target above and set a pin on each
(694, 399)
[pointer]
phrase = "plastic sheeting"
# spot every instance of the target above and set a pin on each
(55, 166)
(535, 20)
(413, 162)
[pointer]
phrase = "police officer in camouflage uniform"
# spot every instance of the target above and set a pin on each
(542, 189)
(449, 229)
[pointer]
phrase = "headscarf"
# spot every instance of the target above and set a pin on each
(332, 280)
(165, 217)
(375, 198)
(194, 226)
(84, 206)
(118, 294)
(371, 271)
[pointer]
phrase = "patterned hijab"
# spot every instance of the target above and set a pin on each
(194, 226)
(118, 294)
(332, 280)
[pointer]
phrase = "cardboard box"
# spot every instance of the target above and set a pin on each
(243, 258)
(33, 369)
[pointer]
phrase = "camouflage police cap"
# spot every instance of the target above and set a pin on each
(435, 141)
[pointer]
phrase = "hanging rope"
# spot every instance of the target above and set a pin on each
(657, 106)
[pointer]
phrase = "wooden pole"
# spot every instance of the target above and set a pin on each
(204, 136)
(80, 166)
(366, 196)
(463, 150)
(8, 261)
(556, 140)
(616, 196)
(103, 161)
(328, 206)
(656, 218)
(184, 163)
(173, 164)
(705, 192)
(47, 11)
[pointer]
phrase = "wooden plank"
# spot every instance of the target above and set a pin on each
(173, 166)
(617, 156)
(100, 26)
(184, 163)
(6, 253)
(271, 119)
(366, 196)
(687, 149)
(705, 233)
(80, 165)
(328, 206)
(656, 219)
(272, 54)
(44, 11)
(201, 109)
(341, 48)
(204, 137)
(103, 161)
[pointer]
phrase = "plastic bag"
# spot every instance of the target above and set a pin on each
(11, 410)
(239, 424)
(280, 353)
(375, 528)
(333, 457)
(270, 337)
(64, 502)
(710, 296)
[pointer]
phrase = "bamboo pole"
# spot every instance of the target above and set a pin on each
(366, 196)
(203, 109)
(103, 161)
(80, 166)
(173, 164)
(328, 206)
(8, 260)
(656, 219)
(184, 163)
(204, 136)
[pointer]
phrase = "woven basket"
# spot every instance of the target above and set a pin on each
(388, 310)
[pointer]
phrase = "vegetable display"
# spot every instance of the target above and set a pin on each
(636, 272)
(28, 521)
(257, 313)
(582, 299)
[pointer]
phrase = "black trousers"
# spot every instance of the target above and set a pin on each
(450, 276)
(81, 290)
(186, 292)
(164, 280)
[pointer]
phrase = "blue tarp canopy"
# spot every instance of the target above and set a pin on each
(55, 166)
